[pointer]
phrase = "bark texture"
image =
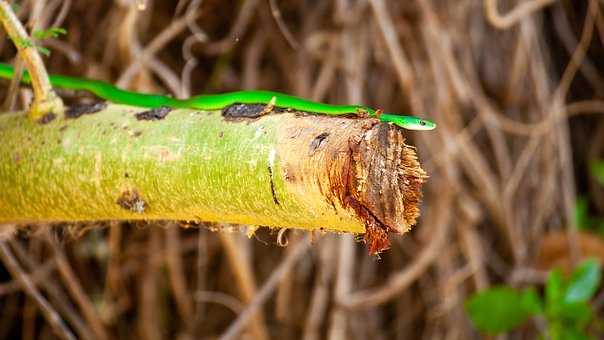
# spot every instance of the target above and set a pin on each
(281, 170)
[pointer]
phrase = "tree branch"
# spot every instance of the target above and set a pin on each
(281, 170)
(46, 102)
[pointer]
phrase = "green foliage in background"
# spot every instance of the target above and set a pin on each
(500, 309)
(583, 220)
(597, 170)
(565, 306)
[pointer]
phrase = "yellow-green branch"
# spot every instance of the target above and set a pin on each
(281, 170)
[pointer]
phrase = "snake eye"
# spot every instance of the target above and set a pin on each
(422, 123)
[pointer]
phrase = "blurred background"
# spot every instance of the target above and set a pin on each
(516, 183)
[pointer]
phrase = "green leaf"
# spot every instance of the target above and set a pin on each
(53, 32)
(554, 289)
(599, 226)
(597, 170)
(500, 309)
(43, 50)
(560, 331)
(577, 314)
(582, 219)
(531, 302)
(570, 333)
(583, 282)
(23, 43)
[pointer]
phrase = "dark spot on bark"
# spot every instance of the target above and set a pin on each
(289, 175)
(383, 135)
(137, 133)
(47, 118)
(221, 134)
(250, 111)
(126, 175)
(243, 111)
(318, 141)
(78, 110)
(131, 200)
(157, 113)
(270, 173)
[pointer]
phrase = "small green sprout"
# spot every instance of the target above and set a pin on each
(52, 32)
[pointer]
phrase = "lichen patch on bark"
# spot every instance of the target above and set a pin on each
(131, 200)
(47, 118)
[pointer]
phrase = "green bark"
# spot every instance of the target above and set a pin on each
(283, 170)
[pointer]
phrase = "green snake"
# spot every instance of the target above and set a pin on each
(222, 100)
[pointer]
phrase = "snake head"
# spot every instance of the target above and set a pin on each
(408, 122)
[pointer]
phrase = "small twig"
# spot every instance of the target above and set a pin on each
(49, 313)
(342, 288)
(564, 153)
(177, 275)
(200, 272)
(46, 100)
(112, 278)
(13, 87)
(320, 295)
(198, 36)
(395, 50)
(246, 12)
(169, 33)
(245, 281)
(266, 290)
(54, 292)
(149, 326)
(220, 299)
(570, 43)
(293, 43)
(285, 289)
(39, 274)
(514, 16)
(75, 289)
(62, 14)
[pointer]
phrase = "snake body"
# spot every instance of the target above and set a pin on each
(220, 101)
